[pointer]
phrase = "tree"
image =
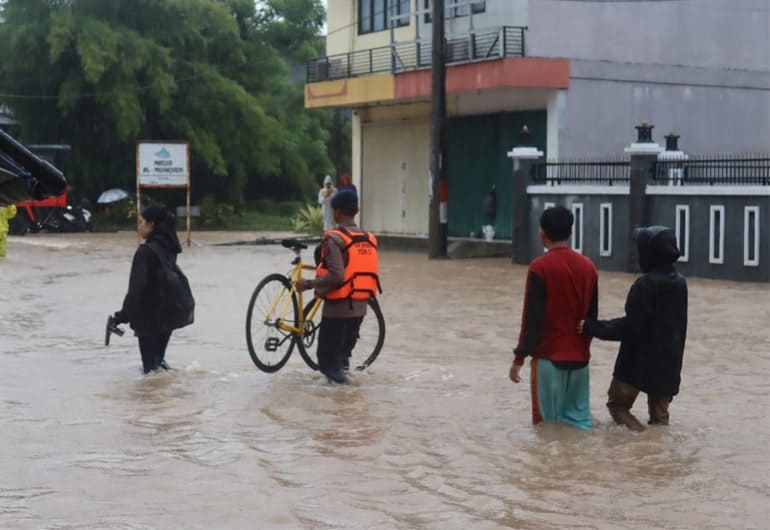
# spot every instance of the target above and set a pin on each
(212, 72)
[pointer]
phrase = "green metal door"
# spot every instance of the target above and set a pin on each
(478, 158)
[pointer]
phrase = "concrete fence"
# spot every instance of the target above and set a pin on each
(719, 206)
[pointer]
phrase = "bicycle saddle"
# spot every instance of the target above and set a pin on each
(294, 244)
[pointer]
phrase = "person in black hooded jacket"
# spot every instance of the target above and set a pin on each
(144, 298)
(651, 334)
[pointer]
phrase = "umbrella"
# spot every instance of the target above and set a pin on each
(113, 195)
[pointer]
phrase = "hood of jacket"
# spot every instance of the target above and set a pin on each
(657, 247)
(164, 234)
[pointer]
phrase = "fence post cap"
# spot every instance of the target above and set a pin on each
(672, 156)
(644, 132)
(525, 153)
(643, 148)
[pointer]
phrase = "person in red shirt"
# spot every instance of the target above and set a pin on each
(561, 291)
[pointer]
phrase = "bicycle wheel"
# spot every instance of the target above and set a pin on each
(270, 305)
(371, 337)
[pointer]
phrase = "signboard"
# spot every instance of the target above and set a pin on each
(163, 164)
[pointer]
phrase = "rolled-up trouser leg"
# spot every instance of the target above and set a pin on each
(658, 407)
(621, 399)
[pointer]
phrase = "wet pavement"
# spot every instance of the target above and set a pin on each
(431, 436)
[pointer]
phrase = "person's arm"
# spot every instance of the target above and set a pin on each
(321, 196)
(593, 307)
(605, 329)
(624, 328)
(335, 263)
(531, 322)
(138, 281)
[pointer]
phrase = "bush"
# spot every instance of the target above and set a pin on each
(277, 208)
(309, 219)
(216, 214)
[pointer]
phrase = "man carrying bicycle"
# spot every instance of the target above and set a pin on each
(346, 277)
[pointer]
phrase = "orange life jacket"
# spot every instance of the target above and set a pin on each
(361, 269)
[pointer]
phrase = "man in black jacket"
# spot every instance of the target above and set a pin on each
(652, 334)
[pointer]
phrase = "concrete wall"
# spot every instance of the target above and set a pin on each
(661, 210)
(619, 233)
(715, 34)
(700, 68)
(712, 110)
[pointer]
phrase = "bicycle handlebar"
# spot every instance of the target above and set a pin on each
(293, 244)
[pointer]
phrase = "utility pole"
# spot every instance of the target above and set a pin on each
(338, 142)
(439, 188)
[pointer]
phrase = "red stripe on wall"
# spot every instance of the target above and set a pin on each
(512, 72)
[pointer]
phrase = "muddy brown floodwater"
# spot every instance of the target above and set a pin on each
(432, 436)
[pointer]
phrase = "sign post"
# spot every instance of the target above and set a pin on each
(163, 165)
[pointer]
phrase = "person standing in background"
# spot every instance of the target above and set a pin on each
(346, 184)
(325, 200)
(6, 214)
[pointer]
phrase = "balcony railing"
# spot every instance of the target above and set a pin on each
(481, 45)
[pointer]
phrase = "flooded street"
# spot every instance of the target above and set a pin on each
(432, 436)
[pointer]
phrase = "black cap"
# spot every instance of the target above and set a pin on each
(345, 200)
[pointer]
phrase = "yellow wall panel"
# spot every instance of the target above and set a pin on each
(350, 92)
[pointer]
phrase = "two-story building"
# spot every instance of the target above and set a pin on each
(580, 74)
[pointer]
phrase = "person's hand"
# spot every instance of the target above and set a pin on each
(580, 326)
(119, 318)
(515, 373)
(301, 285)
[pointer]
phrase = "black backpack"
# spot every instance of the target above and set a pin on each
(177, 303)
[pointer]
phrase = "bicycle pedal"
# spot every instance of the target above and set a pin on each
(272, 343)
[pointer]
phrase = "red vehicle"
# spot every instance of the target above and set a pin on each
(32, 216)
(52, 214)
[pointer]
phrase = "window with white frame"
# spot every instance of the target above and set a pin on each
(682, 229)
(605, 229)
(717, 234)
(751, 236)
(577, 228)
(373, 15)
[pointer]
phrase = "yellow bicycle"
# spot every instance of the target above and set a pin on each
(277, 320)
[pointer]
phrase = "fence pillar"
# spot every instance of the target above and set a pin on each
(644, 155)
(524, 156)
(671, 169)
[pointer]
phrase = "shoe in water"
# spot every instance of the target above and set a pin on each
(165, 366)
(338, 376)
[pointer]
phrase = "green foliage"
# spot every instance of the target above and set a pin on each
(214, 73)
(216, 214)
(309, 220)
(277, 208)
